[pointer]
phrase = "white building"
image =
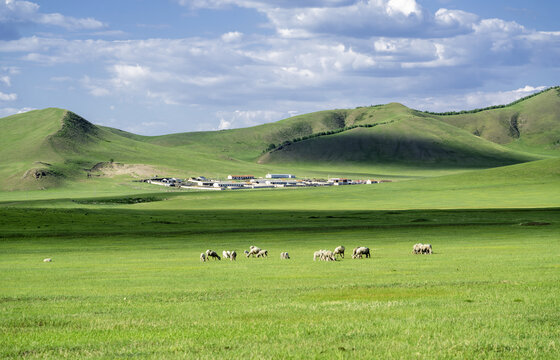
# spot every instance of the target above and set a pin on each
(229, 185)
(240, 177)
(280, 176)
(340, 181)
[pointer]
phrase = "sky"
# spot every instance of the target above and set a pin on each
(159, 67)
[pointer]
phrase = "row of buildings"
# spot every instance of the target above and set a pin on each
(250, 182)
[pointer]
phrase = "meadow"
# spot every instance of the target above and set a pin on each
(128, 283)
(126, 280)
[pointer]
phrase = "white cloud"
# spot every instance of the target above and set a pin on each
(68, 22)
(8, 97)
(246, 118)
(232, 36)
(12, 111)
(6, 80)
(405, 7)
(17, 13)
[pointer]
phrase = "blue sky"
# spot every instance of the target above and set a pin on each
(156, 67)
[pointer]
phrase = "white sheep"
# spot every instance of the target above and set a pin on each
(225, 254)
(284, 256)
(262, 253)
(426, 249)
(233, 255)
(361, 251)
(417, 248)
(317, 255)
(203, 257)
(253, 251)
(47, 260)
(339, 251)
(327, 256)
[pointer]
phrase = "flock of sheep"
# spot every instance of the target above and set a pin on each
(321, 255)
(422, 248)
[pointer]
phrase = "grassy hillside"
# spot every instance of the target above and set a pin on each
(532, 124)
(408, 139)
(53, 147)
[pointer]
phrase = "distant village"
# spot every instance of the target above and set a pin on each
(236, 182)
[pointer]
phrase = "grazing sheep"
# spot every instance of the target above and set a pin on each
(253, 251)
(361, 251)
(214, 255)
(417, 248)
(262, 253)
(233, 255)
(203, 257)
(225, 254)
(328, 256)
(339, 251)
(354, 252)
(246, 253)
(324, 255)
(284, 256)
(426, 249)
(47, 260)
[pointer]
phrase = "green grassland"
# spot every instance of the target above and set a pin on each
(128, 283)
(528, 185)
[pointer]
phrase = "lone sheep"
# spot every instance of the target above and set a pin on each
(361, 251)
(339, 251)
(284, 256)
(203, 257)
(47, 260)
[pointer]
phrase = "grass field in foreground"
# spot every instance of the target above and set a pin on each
(128, 283)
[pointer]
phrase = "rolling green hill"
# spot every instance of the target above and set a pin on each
(53, 147)
(532, 124)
